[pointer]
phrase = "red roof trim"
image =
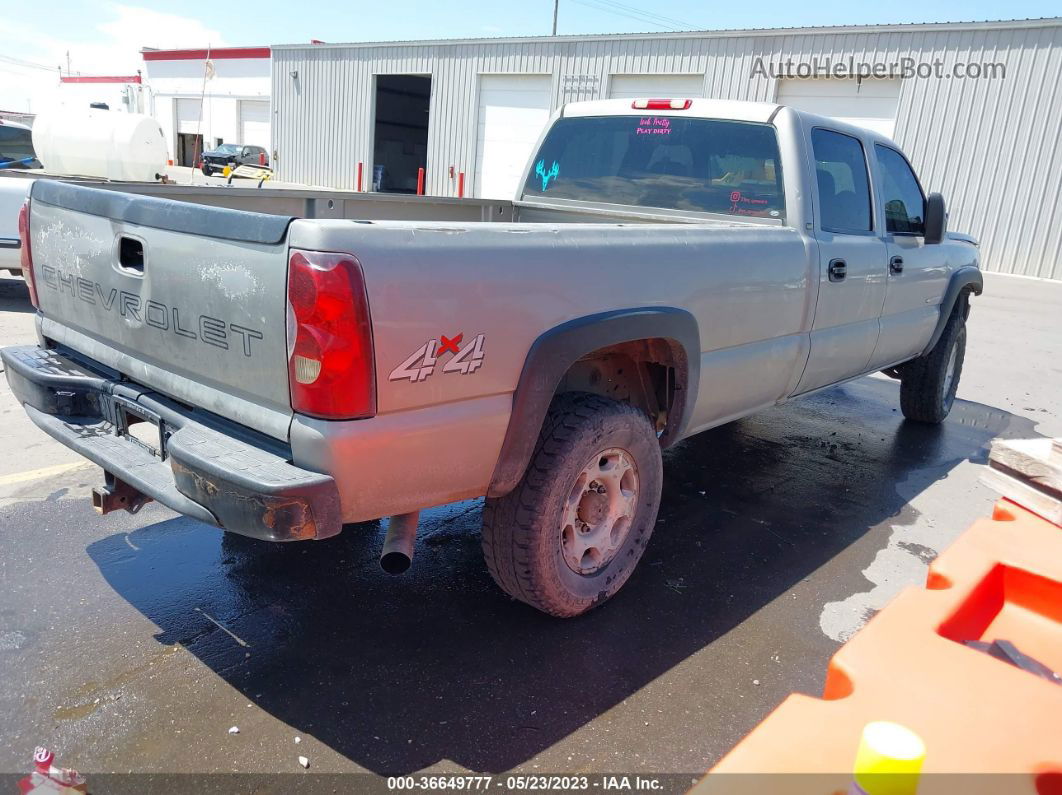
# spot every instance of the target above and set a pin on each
(101, 79)
(200, 55)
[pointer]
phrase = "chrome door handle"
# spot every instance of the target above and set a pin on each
(896, 264)
(838, 269)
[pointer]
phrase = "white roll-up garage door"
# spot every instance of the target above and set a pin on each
(254, 123)
(188, 116)
(513, 109)
(870, 103)
(655, 86)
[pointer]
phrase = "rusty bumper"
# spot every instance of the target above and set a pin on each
(202, 466)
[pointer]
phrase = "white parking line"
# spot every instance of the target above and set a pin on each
(223, 628)
(43, 472)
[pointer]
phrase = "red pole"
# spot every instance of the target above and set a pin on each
(359, 176)
(461, 185)
(420, 181)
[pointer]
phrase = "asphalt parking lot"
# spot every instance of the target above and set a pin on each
(134, 643)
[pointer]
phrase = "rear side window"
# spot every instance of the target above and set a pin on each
(844, 189)
(668, 162)
(905, 206)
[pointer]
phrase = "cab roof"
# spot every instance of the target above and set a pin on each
(734, 110)
(699, 108)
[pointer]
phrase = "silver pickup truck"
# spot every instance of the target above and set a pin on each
(282, 363)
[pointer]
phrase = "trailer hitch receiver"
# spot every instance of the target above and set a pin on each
(116, 495)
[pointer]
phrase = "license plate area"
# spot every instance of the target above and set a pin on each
(136, 424)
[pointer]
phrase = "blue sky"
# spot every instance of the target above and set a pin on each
(280, 21)
(105, 36)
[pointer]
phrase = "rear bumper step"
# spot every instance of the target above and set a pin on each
(210, 469)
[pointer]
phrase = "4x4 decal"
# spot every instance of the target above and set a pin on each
(421, 363)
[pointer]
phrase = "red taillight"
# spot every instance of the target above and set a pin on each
(662, 104)
(26, 253)
(330, 357)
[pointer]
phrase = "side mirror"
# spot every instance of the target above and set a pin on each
(936, 218)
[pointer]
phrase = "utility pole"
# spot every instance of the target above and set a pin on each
(556, 4)
(68, 54)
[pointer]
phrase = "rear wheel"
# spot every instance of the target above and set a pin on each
(928, 384)
(571, 532)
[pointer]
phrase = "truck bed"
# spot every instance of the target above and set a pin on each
(300, 202)
(320, 203)
(202, 319)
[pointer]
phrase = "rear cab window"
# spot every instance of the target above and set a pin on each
(666, 162)
(844, 187)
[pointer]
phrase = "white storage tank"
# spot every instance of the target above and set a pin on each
(100, 143)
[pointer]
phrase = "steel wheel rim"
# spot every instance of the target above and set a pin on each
(599, 511)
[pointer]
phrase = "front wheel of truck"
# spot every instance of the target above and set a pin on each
(571, 532)
(928, 384)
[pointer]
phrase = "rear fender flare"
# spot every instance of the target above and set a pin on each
(555, 351)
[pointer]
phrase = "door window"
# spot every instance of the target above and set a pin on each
(905, 206)
(844, 188)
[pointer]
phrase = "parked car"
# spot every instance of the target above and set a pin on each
(233, 155)
(13, 193)
(669, 266)
(16, 146)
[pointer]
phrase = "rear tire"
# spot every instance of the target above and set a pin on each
(571, 532)
(928, 384)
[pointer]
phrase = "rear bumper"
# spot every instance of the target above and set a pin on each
(213, 470)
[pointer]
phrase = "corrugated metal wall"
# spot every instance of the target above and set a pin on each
(993, 147)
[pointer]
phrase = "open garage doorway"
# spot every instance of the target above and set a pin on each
(401, 132)
(189, 149)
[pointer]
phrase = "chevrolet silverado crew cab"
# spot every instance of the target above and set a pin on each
(283, 363)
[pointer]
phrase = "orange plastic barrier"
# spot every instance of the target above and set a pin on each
(1001, 580)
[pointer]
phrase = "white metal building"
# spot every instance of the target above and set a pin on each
(116, 92)
(202, 98)
(990, 144)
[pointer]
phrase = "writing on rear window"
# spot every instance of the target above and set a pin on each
(746, 205)
(667, 162)
(654, 125)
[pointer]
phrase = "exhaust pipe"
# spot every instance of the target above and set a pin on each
(397, 554)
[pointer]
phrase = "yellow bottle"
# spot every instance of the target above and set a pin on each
(889, 760)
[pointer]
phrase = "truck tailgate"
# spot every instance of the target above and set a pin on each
(185, 299)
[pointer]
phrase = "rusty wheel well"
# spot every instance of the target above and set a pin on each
(645, 373)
